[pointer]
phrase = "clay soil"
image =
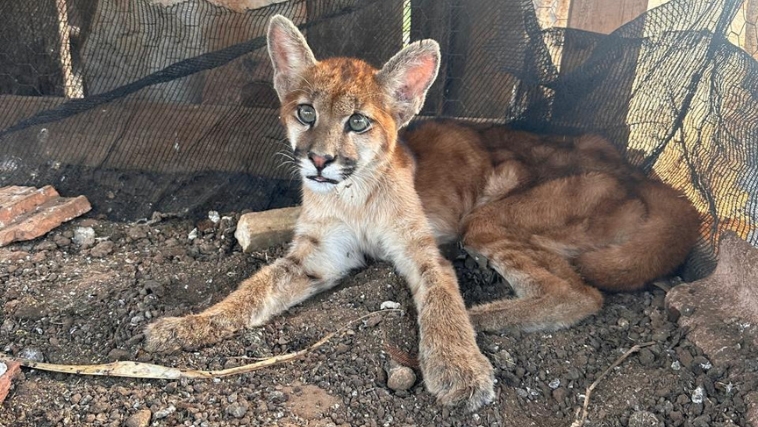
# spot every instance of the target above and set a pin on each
(67, 303)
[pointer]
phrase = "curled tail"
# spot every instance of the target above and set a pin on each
(654, 249)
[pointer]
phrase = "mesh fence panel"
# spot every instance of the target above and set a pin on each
(167, 105)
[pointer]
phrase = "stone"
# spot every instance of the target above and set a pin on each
(751, 399)
(261, 230)
(644, 419)
(165, 412)
(715, 309)
(118, 354)
(138, 232)
(237, 410)
(11, 369)
(31, 353)
(139, 419)
(27, 213)
(102, 249)
(84, 236)
(400, 378)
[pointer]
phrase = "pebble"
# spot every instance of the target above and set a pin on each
(389, 305)
(504, 360)
(102, 249)
(165, 412)
(138, 231)
(401, 378)
(140, 419)
(118, 354)
(84, 236)
(646, 357)
(644, 419)
(559, 394)
(61, 241)
(698, 395)
(33, 354)
(237, 410)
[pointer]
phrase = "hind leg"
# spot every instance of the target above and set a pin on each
(550, 294)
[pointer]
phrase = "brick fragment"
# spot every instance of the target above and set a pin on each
(27, 213)
(6, 379)
(16, 201)
(261, 230)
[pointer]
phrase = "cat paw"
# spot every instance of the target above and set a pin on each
(459, 378)
(171, 334)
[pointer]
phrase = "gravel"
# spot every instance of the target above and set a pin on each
(75, 304)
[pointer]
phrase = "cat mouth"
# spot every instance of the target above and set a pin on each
(319, 178)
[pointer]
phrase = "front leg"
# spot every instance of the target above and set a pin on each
(453, 367)
(321, 253)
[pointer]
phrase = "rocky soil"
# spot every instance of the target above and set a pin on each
(80, 297)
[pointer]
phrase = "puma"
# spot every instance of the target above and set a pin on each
(551, 214)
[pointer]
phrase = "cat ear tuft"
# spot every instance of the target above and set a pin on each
(408, 75)
(289, 52)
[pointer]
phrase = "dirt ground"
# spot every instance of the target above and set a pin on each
(66, 302)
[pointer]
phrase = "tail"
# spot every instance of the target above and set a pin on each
(654, 250)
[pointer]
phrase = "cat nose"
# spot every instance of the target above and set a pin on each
(320, 161)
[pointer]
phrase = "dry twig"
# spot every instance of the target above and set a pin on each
(588, 393)
(130, 369)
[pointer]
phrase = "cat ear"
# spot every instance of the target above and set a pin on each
(289, 52)
(407, 77)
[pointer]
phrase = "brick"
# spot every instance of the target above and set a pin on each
(13, 368)
(16, 201)
(27, 213)
(261, 230)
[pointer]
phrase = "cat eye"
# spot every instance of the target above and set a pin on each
(358, 123)
(306, 114)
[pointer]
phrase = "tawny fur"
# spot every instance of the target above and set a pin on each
(558, 217)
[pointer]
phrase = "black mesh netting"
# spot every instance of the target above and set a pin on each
(167, 105)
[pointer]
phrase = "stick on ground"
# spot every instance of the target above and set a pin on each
(148, 370)
(588, 393)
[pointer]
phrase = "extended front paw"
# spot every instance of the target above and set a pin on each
(170, 334)
(459, 376)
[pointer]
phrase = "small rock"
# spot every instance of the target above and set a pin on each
(136, 320)
(39, 257)
(140, 419)
(260, 230)
(504, 360)
(84, 236)
(644, 419)
(702, 421)
(698, 395)
(118, 354)
(102, 249)
(214, 217)
(138, 232)
(61, 241)
(46, 245)
(401, 378)
(554, 384)
(237, 410)
(373, 321)
(165, 412)
(647, 357)
(192, 234)
(559, 394)
(31, 353)
(155, 288)
(389, 305)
